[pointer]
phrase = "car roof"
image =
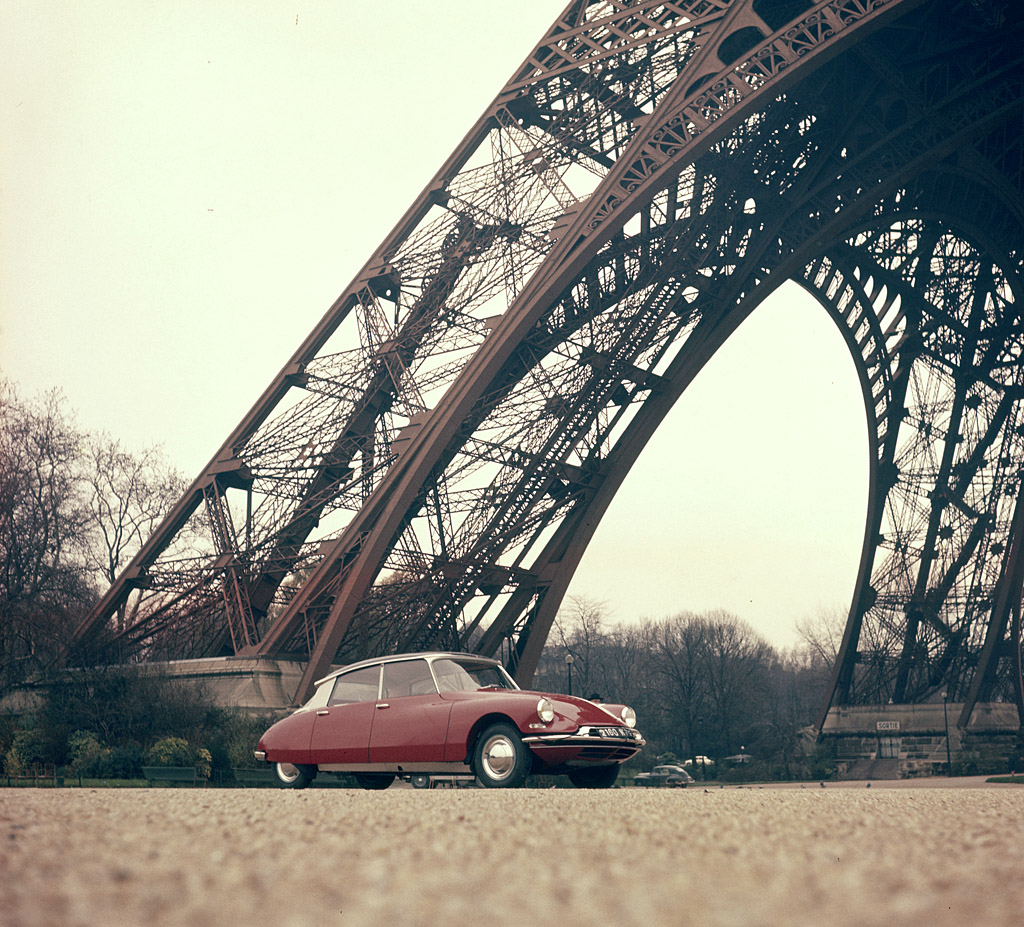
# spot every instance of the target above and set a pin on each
(398, 657)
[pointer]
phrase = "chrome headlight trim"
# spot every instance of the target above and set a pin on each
(545, 711)
(628, 717)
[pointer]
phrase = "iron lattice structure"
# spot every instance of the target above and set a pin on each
(429, 466)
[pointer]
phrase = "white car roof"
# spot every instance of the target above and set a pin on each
(398, 657)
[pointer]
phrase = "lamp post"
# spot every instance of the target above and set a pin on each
(568, 667)
(945, 721)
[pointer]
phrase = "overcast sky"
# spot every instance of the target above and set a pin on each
(187, 185)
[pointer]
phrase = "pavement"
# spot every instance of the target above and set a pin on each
(923, 782)
(898, 853)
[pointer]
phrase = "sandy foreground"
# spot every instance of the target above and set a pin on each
(739, 856)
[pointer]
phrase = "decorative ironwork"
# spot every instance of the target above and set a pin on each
(429, 466)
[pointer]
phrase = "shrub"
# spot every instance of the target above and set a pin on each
(983, 761)
(13, 766)
(822, 761)
(85, 753)
(239, 734)
(175, 751)
(202, 763)
(756, 771)
(171, 751)
(28, 749)
(123, 705)
(124, 762)
(8, 728)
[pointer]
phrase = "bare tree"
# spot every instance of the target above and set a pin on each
(737, 661)
(43, 583)
(127, 496)
(821, 634)
(623, 668)
(580, 628)
(716, 671)
(681, 641)
(73, 509)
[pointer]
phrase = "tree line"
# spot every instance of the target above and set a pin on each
(75, 507)
(702, 684)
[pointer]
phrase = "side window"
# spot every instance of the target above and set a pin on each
(467, 676)
(411, 677)
(358, 686)
(452, 678)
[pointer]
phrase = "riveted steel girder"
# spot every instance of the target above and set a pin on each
(428, 468)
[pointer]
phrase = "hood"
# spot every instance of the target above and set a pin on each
(581, 711)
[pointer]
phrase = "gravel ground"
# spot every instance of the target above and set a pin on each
(723, 857)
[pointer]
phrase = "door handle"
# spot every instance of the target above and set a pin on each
(323, 711)
(383, 705)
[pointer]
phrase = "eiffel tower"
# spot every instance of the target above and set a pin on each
(428, 467)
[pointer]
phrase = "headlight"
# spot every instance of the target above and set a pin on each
(545, 710)
(628, 716)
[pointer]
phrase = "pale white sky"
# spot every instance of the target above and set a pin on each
(187, 185)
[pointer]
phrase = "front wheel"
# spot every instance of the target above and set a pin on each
(500, 758)
(294, 775)
(374, 781)
(594, 777)
(420, 781)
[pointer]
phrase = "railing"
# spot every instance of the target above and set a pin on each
(39, 777)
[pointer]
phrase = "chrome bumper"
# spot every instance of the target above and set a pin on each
(591, 736)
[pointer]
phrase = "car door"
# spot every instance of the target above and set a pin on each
(341, 730)
(410, 722)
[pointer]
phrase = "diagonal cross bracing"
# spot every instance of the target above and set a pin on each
(429, 465)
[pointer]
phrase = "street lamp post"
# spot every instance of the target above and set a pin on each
(945, 721)
(568, 667)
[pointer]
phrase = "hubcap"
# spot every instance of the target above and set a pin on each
(287, 772)
(498, 756)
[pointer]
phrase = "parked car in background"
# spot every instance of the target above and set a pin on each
(448, 714)
(699, 761)
(664, 776)
(425, 781)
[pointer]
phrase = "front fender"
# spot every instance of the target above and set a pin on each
(472, 712)
(290, 739)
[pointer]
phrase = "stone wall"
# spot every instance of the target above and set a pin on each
(864, 739)
(250, 684)
(247, 683)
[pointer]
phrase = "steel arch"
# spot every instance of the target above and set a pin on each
(649, 175)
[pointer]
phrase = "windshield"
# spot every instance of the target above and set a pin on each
(454, 675)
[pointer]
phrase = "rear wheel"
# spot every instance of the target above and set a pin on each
(375, 781)
(294, 775)
(594, 777)
(500, 758)
(420, 780)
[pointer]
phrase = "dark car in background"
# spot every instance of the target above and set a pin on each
(664, 776)
(450, 714)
